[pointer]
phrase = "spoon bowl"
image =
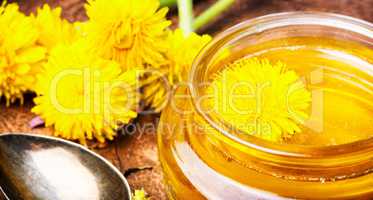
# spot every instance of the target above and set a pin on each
(41, 167)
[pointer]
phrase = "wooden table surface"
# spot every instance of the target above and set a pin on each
(136, 154)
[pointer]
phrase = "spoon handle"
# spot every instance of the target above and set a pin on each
(2, 195)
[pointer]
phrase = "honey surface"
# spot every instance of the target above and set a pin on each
(339, 76)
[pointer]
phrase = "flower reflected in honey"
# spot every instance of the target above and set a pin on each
(260, 98)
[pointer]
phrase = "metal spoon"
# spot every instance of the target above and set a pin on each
(41, 167)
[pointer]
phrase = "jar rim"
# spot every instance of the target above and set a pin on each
(266, 22)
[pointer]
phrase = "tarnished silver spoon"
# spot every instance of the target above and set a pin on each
(46, 168)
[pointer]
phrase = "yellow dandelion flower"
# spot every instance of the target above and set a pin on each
(180, 54)
(53, 29)
(128, 31)
(20, 57)
(139, 195)
(260, 98)
(84, 96)
(81, 28)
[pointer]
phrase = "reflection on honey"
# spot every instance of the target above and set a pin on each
(340, 77)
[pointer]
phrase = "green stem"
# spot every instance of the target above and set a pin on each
(185, 8)
(167, 3)
(211, 13)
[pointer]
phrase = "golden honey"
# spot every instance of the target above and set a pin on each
(332, 156)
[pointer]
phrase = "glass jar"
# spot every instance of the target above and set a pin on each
(204, 158)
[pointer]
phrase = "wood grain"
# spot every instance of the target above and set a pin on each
(136, 154)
